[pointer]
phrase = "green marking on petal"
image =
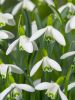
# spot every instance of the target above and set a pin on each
(2, 24)
(48, 38)
(47, 68)
(51, 95)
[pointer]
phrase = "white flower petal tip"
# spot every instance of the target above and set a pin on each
(36, 82)
(35, 68)
(68, 54)
(42, 86)
(37, 34)
(15, 69)
(50, 2)
(7, 18)
(69, 5)
(70, 86)
(2, 2)
(25, 87)
(12, 46)
(53, 64)
(70, 25)
(6, 34)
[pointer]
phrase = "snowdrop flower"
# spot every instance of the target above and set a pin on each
(36, 82)
(25, 4)
(49, 2)
(10, 68)
(70, 86)
(48, 65)
(2, 1)
(49, 31)
(24, 87)
(70, 24)
(24, 44)
(52, 90)
(6, 34)
(68, 54)
(6, 18)
(69, 5)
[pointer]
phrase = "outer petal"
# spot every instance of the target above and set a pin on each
(70, 86)
(6, 34)
(6, 91)
(37, 34)
(2, 1)
(68, 54)
(26, 44)
(58, 36)
(15, 69)
(34, 27)
(35, 47)
(9, 19)
(62, 8)
(25, 87)
(17, 8)
(43, 86)
(27, 4)
(36, 82)
(35, 68)
(67, 27)
(53, 64)
(62, 95)
(12, 46)
(49, 2)
(72, 23)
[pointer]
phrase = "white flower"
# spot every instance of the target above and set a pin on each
(47, 63)
(70, 86)
(49, 2)
(49, 31)
(52, 90)
(6, 34)
(24, 87)
(25, 4)
(2, 1)
(36, 82)
(68, 54)
(69, 5)
(70, 24)
(24, 44)
(6, 18)
(10, 68)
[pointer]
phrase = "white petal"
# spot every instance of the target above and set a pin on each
(25, 87)
(3, 69)
(12, 46)
(6, 34)
(70, 86)
(62, 8)
(26, 44)
(2, 1)
(68, 54)
(72, 23)
(67, 27)
(62, 95)
(49, 2)
(6, 91)
(36, 82)
(17, 8)
(43, 86)
(58, 37)
(27, 4)
(35, 68)
(37, 34)
(9, 18)
(53, 64)
(15, 69)
(34, 27)
(35, 47)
